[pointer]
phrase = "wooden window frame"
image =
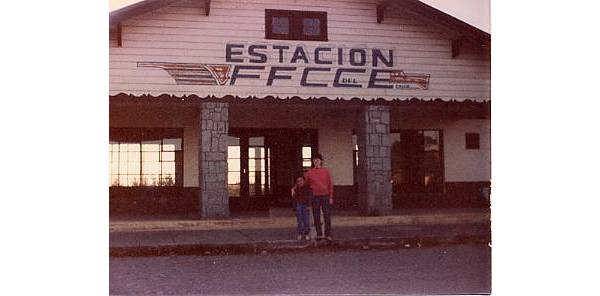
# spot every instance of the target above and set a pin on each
(129, 134)
(470, 143)
(296, 24)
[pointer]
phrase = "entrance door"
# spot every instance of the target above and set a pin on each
(417, 168)
(247, 163)
(263, 163)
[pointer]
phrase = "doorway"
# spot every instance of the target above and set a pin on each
(417, 168)
(263, 163)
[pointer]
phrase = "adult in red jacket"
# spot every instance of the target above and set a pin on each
(320, 182)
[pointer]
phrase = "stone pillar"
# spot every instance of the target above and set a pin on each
(212, 160)
(374, 160)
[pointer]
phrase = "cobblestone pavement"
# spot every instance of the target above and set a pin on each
(462, 269)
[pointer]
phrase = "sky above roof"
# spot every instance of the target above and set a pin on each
(473, 12)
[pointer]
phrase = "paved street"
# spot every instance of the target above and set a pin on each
(446, 269)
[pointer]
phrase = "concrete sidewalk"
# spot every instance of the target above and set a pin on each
(277, 234)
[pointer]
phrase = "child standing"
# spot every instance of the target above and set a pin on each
(302, 195)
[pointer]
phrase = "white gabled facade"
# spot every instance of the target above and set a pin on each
(183, 33)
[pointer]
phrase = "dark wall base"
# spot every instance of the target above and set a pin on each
(458, 195)
(345, 197)
(185, 201)
(140, 201)
(469, 193)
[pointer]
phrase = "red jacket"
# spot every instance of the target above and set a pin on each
(302, 194)
(319, 180)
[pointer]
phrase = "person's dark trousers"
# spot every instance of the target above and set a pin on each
(322, 202)
(302, 218)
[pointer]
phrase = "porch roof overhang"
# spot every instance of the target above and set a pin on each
(482, 107)
(331, 98)
(295, 99)
(450, 108)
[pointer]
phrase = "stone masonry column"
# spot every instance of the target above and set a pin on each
(374, 160)
(212, 160)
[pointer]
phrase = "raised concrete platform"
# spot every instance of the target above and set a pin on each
(277, 234)
(413, 217)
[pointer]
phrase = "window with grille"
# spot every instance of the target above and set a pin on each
(295, 25)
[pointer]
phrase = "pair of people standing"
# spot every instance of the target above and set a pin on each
(314, 188)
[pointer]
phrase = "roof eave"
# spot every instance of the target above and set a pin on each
(440, 19)
(124, 13)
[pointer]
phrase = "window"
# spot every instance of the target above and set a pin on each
(472, 141)
(234, 170)
(247, 166)
(146, 157)
(256, 166)
(295, 25)
(306, 157)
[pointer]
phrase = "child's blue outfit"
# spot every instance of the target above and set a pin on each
(302, 199)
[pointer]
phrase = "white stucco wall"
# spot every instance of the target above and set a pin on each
(190, 154)
(462, 165)
(335, 143)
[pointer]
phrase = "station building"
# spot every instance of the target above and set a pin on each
(215, 106)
